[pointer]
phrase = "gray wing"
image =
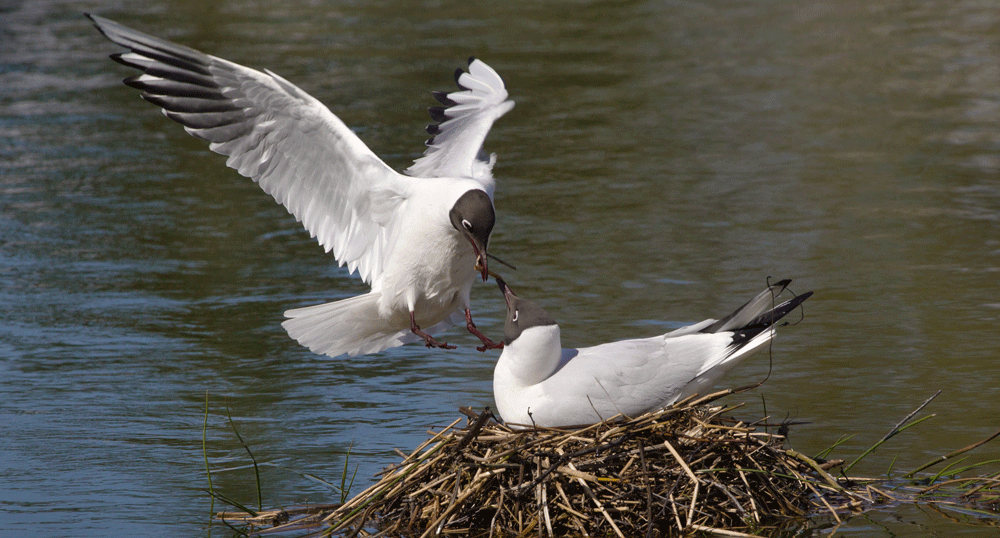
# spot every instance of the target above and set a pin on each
(277, 135)
(642, 374)
(465, 120)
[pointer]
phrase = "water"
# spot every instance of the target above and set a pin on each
(662, 161)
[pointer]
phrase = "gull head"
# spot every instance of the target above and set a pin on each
(532, 346)
(473, 216)
(522, 314)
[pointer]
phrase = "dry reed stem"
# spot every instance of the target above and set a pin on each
(721, 532)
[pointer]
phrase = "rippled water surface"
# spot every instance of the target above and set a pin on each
(663, 160)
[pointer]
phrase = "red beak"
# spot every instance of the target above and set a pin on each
(481, 261)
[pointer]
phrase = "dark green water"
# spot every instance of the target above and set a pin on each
(663, 160)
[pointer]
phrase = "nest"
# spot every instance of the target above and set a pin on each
(686, 468)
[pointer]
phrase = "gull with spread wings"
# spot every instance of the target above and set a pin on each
(419, 239)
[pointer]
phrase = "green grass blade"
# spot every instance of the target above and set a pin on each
(892, 464)
(319, 480)
(946, 467)
(347, 493)
(256, 469)
(896, 429)
(946, 457)
(232, 503)
(974, 466)
(892, 433)
(239, 532)
(343, 475)
(826, 452)
(208, 470)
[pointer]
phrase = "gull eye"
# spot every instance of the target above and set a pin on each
(467, 225)
(514, 319)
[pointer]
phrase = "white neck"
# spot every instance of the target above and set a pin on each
(533, 356)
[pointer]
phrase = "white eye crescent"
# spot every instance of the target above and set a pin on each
(514, 319)
(467, 225)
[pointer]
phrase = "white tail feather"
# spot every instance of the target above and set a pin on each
(352, 326)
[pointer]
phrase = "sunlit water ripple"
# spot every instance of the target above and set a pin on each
(663, 160)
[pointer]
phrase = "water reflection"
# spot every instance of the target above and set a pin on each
(663, 159)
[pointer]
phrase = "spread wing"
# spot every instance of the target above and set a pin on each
(464, 121)
(277, 135)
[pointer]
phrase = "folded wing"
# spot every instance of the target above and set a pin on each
(636, 374)
(277, 135)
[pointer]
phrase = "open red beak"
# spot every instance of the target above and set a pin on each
(485, 270)
(481, 263)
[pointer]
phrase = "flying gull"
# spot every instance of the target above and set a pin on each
(418, 239)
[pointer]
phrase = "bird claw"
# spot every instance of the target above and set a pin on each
(430, 342)
(489, 344)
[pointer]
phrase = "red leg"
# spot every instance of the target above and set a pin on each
(428, 339)
(487, 343)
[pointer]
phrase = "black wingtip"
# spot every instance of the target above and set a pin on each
(458, 73)
(471, 59)
(134, 82)
(93, 20)
(794, 302)
(117, 57)
(766, 320)
(442, 97)
(437, 113)
(771, 317)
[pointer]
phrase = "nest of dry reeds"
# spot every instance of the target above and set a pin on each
(683, 469)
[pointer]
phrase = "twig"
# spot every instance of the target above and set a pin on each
(832, 482)
(951, 455)
(597, 503)
(721, 532)
(690, 473)
(649, 495)
(896, 429)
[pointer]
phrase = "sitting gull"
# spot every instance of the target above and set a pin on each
(538, 383)
(419, 241)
